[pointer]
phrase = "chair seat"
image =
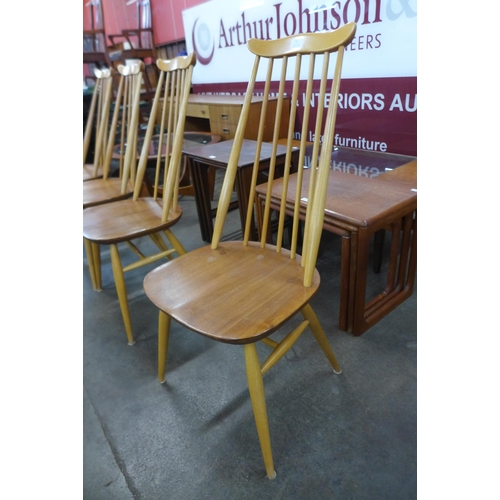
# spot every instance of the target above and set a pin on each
(233, 294)
(88, 172)
(98, 191)
(125, 220)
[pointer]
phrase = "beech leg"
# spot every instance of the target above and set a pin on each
(96, 251)
(163, 335)
(121, 291)
(283, 347)
(158, 241)
(174, 242)
(320, 336)
(256, 389)
(90, 260)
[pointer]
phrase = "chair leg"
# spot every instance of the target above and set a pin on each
(256, 389)
(158, 241)
(96, 280)
(96, 250)
(121, 291)
(320, 336)
(163, 334)
(90, 260)
(174, 242)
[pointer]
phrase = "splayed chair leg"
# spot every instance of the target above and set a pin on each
(174, 242)
(256, 388)
(121, 291)
(96, 279)
(320, 336)
(96, 250)
(163, 334)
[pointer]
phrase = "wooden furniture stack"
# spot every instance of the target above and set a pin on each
(145, 214)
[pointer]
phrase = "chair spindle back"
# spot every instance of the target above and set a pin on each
(308, 51)
(97, 119)
(125, 120)
(168, 114)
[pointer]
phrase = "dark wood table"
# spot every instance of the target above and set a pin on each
(191, 139)
(201, 159)
(357, 207)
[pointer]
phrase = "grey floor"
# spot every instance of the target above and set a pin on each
(348, 436)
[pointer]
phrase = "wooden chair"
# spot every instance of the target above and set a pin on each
(125, 124)
(129, 220)
(95, 49)
(241, 292)
(97, 124)
(138, 44)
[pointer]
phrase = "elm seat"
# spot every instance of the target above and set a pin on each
(99, 191)
(240, 292)
(88, 172)
(127, 220)
(252, 308)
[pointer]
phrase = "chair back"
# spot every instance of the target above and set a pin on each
(121, 140)
(168, 116)
(138, 43)
(97, 120)
(143, 34)
(95, 50)
(317, 54)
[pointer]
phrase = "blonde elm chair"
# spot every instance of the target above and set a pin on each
(118, 141)
(240, 292)
(96, 125)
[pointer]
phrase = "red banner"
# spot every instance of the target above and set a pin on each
(377, 114)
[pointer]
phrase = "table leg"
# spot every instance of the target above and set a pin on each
(406, 262)
(199, 176)
(344, 283)
(359, 286)
(400, 280)
(243, 184)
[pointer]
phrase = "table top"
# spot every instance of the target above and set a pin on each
(406, 174)
(191, 140)
(219, 152)
(357, 200)
(361, 162)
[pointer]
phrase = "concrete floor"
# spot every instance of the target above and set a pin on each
(348, 436)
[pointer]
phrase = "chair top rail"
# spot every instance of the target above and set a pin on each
(180, 62)
(305, 43)
(131, 69)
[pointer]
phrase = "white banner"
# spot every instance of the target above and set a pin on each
(384, 46)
